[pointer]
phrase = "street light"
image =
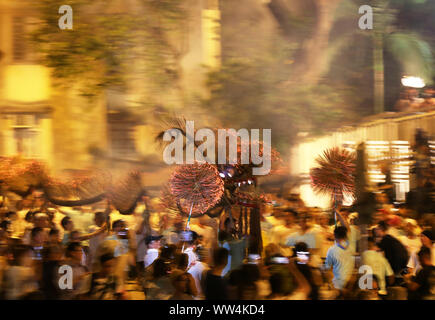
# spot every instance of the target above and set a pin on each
(413, 82)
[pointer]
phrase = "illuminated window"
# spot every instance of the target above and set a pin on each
(121, 136)
(25, 135)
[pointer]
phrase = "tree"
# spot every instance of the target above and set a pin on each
(113, 42)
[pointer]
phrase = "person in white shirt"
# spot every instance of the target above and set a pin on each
(305, 233)
(324, 233)
(410, 239)
(153, 245)
(427, 239)
(208, 236)
(198, 270)
(379, 264)
(94, 243)
(340, 256)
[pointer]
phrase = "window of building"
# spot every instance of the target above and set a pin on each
(121, 136)
(25, 135)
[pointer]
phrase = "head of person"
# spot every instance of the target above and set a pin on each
(301, 252)
(119, 227)
(192, 238)
(167, 252)
(382, 229)
(153, 242)
(409, 226)
(304, 220)
(340, 234)
(230, 225)
(5, 227)
(107, 262)
(29, 216)
(99, 218)
(424, 257)
(74, 251)
(54, 236)
(427, 238)
(41, 220)
(371, 243)
(67, 224)
(37, 236)
(220, 257)
(11, 215)
(74, 236)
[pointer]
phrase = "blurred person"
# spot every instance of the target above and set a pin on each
(207, 234)
(410, 240)
(305, 232)
(105, 285)
(282, 231)
(37, 239)
(181, 282)
(199, 269)
(379, 265)
(394, 251)
(302, 290)
(119, 236)
(143, 230)
(324, 234)
(427, 240)
(160, 287)
(189, 246)
(181, 267)
(17, 226)
(153, 244)
(54, 237)
(97, 240)
(74, 257)
(68, 226)
(20, 279)
(312, 274)
(244, 282)
(423, 285)
(235, 247)
(215, 286)
(340, 257)
(53, 256)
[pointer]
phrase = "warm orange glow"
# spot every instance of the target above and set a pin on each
(27, 83)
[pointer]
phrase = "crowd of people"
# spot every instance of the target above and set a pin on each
(92, 252)
(412, 101)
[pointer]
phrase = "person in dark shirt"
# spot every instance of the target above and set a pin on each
(423, 285)
(215, 286)
(394, 251)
